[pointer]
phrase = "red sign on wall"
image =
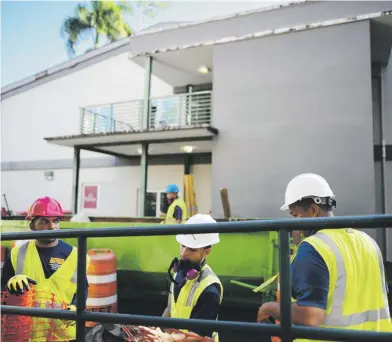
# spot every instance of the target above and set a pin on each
(90, 197)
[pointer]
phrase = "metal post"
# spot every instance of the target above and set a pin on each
(143, 178)
(187, 163)
(145, 126)
(147, 94)
(383, 99)
(81, 289)
(285, 284)
(75, 179)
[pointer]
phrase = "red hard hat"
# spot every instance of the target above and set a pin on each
(44, 206)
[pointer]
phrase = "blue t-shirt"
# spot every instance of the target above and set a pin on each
(207, 305)
(51, 259)
(309, 277)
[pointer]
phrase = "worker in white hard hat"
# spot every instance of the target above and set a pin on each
(337, 275)
(196, 291)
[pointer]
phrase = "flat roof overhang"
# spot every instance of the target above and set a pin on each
(127, 144)
(177, 65)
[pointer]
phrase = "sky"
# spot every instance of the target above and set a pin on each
(31, 38)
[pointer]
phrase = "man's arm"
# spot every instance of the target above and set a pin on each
(310, 285)
(86, 289)
(178, 214)
(85, 294)
(7, 273)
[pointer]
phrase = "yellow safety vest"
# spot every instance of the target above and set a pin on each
(190, 293)
(62, 284)
(170, 212)
(357, 296)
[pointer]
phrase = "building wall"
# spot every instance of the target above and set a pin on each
(290, 104)
(53, 108)
(241, 25)
(118, 187)
(387, 123)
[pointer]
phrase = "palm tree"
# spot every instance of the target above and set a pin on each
(104, 20)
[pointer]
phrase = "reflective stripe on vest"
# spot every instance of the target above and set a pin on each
(336, 317)
(206, 272)
(21, 258)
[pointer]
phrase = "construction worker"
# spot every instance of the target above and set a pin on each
(51, 265)
(337, 275)
(176, 212)
(196, 292)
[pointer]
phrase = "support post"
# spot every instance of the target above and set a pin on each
(75, 179)
(143, 178)
(187, 163)
(147, 94)
(145, 126)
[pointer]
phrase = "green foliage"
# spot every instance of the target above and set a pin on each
(104, 19)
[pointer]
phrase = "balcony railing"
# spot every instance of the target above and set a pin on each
(175, 111)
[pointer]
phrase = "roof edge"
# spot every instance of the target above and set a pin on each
(69, 64)
(267, 33)
(120, 43)
(230, 16)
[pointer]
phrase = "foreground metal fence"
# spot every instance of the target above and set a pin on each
(286, 330)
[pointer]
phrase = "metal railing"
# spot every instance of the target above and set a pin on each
(286, 330)
(174, 111)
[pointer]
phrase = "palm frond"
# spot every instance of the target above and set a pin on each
(103, 19)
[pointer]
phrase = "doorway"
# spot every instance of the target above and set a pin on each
(156, 203)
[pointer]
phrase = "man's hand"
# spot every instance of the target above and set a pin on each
(264, 313)
(19, 283)
(157, 335)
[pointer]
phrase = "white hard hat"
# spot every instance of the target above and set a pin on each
(198, 240)
(306, 185)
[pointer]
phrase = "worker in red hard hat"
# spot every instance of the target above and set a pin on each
(48, 263)
(337, 275)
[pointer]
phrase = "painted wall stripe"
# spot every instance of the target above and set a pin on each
(102, 279)
(101, 301)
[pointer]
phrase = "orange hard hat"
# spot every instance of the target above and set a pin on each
(44, 206)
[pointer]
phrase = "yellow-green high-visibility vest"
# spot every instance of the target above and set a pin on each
(170, 212)
(357, 296)
(190, 293)
(62, 284)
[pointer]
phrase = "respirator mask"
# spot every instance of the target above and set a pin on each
(188, 268)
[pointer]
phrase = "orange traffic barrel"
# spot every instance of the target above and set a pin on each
(3, 256)
(15, 327)
(102, 281)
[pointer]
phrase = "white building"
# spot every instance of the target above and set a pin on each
(242, 116)
(50, 105)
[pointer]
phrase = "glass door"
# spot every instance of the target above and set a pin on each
(156, 203)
